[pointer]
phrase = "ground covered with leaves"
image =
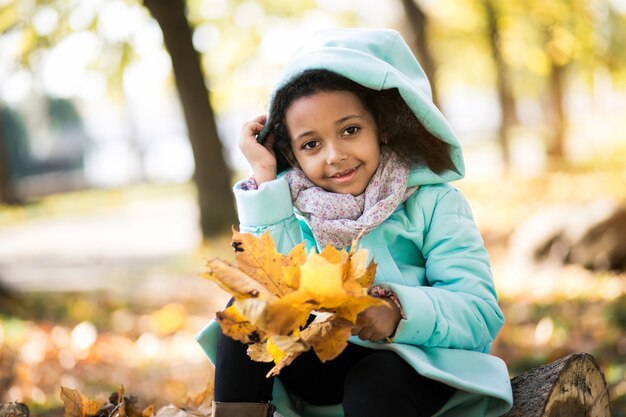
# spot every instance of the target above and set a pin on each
(140, 343)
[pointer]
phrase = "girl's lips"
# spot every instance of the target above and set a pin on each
(346, 175)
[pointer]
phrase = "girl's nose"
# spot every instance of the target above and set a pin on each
(334, 154)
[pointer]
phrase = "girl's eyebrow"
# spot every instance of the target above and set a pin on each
(337, 122)
(351, 116)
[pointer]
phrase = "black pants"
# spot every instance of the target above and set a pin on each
(367, 382)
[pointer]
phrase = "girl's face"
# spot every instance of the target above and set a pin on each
(334, 140)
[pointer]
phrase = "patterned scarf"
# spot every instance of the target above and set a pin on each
(337, 219)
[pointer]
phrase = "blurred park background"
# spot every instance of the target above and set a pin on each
(118, 128)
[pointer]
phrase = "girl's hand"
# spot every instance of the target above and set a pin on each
(378, 322)
(261, 157)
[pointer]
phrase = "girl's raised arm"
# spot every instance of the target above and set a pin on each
(261, 157)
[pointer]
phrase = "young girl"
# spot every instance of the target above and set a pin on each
(355, 143)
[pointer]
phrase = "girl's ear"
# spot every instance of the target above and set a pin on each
(289, 156)
(293, 161)
(383, 137)
(285, 158)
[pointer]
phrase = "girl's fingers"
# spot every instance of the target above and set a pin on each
(252, 129)
(366, 334)
(376, 337)
(257, 124)
(260, 119)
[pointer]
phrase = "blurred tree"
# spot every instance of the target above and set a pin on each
(567, 32)
(545, 52)
(503, 81)
(418, 22)
(6, 194)
(212, 175)
(613, 50)
(13, 154)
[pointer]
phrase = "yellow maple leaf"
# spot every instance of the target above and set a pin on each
(259, 258)
(322, 278)
(77, 405)
(276, 294)
(323, 287)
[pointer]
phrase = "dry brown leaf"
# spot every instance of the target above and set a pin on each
(328, 337)
(258, 352)
(284, 317)
(121, 402)
(173, 411)
(77, 405)
(148, 411)
(235, 325)
(284, 362)
(234, 280)
(360, 270)
(194, 400)
(289, 344)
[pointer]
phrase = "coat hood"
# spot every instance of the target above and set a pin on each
(379, 59)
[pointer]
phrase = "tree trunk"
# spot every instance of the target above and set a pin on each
(212, 175)
(7, 195)
(570, 386)
(418, 21)
(505, 93)
(4, 167)
(556, 148)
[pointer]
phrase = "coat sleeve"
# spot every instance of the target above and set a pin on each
(459, 308)
(269, 208)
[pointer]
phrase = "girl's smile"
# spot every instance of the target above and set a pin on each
(334, 140)
(346, 175)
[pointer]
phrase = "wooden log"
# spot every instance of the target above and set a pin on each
(572, 386)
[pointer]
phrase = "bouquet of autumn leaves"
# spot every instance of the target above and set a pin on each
(275, 295)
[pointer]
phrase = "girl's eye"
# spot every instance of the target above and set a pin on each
(351, 130)
(310, 145)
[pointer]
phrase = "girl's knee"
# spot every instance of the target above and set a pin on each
(384, 384)
(379, 366)
(379, 373)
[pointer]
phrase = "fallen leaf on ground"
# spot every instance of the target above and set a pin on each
(77, 405)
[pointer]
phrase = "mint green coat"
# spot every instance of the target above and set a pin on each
(429, 251)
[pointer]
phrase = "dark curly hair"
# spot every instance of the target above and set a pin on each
(396, 122)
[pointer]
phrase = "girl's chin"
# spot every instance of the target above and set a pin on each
(352, 190)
